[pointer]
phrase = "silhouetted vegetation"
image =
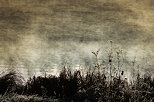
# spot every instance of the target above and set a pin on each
(11, 82)
(72, 86)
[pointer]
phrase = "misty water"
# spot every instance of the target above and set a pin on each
(38, 58)
(44, 36)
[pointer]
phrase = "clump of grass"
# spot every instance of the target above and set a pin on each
(11, 82)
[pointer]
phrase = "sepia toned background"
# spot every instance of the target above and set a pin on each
(45, 34)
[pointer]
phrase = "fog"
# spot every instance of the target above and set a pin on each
(44, 35)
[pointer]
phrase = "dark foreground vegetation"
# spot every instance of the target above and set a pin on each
(97, 85)
(74, 87)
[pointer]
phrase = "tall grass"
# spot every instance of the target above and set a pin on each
(94, 86)
(72, 86)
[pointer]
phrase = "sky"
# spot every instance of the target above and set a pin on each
(41, 33)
